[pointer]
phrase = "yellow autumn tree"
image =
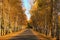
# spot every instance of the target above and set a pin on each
(41, 16)
(12, 16)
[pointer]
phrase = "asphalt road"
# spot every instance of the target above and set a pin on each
(26, 35)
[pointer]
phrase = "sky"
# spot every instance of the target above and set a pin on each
(27, 5)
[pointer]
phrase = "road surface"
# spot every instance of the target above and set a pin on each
(26, 35)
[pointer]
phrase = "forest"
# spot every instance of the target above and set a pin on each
(45, 17)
